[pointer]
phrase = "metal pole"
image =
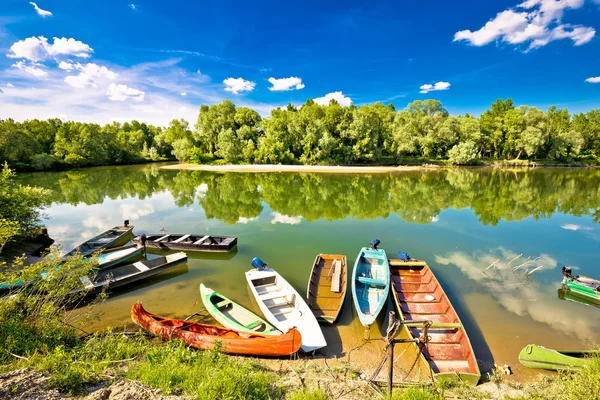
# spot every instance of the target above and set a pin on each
(390, 340)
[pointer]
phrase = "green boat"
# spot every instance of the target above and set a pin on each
(584, 289)
(233, 316)
(534, 356)
(569, 295)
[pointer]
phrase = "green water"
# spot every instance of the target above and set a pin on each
(460, 221)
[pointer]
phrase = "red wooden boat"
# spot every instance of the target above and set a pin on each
(205, 337)
(419, 297)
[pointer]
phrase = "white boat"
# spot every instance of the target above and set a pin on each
(283, 307)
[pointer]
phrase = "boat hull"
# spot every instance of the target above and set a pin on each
(118, 255)
(189, 242)
(370, 284)
(207, 337)
(115, 237)
(233, 316)
(283, 307)
(584, 289)
(418, 296)
(534, 356)
(327, 289)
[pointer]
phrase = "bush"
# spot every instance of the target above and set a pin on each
(197, 156)
(75, 160)
(463, 153)
(42, 161)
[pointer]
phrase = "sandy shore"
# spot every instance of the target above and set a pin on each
(298, 168)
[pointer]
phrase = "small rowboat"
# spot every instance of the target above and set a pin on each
(418, 296)
(370, 284)
(206, 337)
(282, 305)
(117, 236)
(534, 356)
(130, 273)
(327, 286)
(584, 289)
(232, 315)
(189, 242)
(118, 255)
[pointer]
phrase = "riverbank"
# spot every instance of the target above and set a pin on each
(298, 168)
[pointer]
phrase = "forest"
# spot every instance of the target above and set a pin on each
(313, 134)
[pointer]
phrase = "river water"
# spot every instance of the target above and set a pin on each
(460, 221)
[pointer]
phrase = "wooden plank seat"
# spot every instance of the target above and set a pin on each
(336, 279)
(274, 295)
(181, 239)
(222, 304)
(202, 239)
(161, 238)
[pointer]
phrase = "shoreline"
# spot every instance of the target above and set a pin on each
(301, 168)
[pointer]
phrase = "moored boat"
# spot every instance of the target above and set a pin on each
(534, 356)
(117, 236)
(189, 242)
(445, 346)
(581, 288)
(327, 286)
(118, 255)
(370, 283)
(130, 273)
(233, 316)
(282, 305)
(206, 337)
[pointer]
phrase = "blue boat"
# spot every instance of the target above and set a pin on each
(370, 283)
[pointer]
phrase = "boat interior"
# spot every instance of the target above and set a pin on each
(277, 297)
(371, 283)
(420, 297)
(327, 286)
(237, 313)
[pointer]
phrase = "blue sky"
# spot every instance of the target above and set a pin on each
(157, 60)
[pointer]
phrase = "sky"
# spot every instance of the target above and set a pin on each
(158, 60)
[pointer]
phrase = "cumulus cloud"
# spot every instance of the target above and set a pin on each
(183, 93)
(67, 66)
(132, 6)
(337, 96)
(594, 79)
(38, 48)
(574, 227)
(89, 75)
(41, 13)
(244, 220)
(134, 212)
(237, 85)
(117, 92)
(436, 86)
(284, 84)
(285, 219)
(31, 69)
(536, 22)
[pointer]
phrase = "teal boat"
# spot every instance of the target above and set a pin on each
(581, 288)
(370, 283)
(233, 316)
(534, 356)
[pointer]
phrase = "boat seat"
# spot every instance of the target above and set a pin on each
(202, 239)
(274, 295)
(337, 276)
(181, 239)
(283, 311)
(370, 281)
(222, 304)
(161, 238)
(254, 325)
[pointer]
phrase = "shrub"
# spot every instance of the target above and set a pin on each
(75, 160)
(463, 153)
(42, 161)
(197, 156)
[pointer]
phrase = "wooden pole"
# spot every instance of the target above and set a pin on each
(390, 341)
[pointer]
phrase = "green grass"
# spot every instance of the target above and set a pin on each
(416, 394)
(308, 394)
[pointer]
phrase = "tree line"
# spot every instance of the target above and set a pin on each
(314, 134)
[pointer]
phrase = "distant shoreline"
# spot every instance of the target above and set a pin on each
(300, 168)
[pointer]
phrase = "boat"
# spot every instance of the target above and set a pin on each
(117, 236)
(107, 259)
(534, 356)
(569, 295)
(207, 337)
(327, 286)
(118, 255)
(233, 316)
(445, 346)
(127, 274)
(282, 305)
(581, 288)
(370, 284)
(188, 242)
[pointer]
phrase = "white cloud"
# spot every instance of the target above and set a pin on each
(134, 212)
(67, 66)
(337, 96)
(31, 69)
(89, 75)
(132, 6)
(285, 219)
(436, 86)
(537, 22)
(284, 84)
(41, 13)
(594, 79)
(244, 220)
(237, 85)
(183, 93)
(8, 85)
(574, 227)
(117, 92)
(38, 48)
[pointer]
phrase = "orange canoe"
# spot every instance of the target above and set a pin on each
(419, 296)
(205, 337)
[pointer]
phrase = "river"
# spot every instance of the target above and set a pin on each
(459, 220)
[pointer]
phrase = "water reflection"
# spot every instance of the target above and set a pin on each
(419, 197)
